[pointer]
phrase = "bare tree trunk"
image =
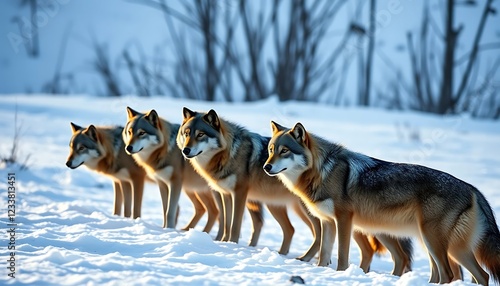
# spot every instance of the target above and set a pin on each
(446, 96)
(365, 99)
(206, 12)
(35, 51)
(415, 73)
(424, 69)
(255, 37)
(361, 70)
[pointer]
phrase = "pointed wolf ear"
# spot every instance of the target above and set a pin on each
(188, 113)
(131, 113)
(212, 118)
(276, 127)
(299, 132)
(91, 131)
(75, 127)
(152, 117)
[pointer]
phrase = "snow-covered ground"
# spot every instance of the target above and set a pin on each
(66, 234)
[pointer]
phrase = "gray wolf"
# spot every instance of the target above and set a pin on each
(101, 149)
(151, 142)
(227, 155)
(230, 158)
(451, 217)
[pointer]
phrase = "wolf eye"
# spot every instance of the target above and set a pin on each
(284, 151)
(81, 148)
(200, 135)
(141, 133)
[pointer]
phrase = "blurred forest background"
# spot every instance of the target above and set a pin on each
(440, 57)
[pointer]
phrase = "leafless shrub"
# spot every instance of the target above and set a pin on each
(13, 157)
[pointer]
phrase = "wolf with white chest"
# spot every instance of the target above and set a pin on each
(101, 149)
(151, 142)
(452, 218)
(227, 156)
(230, 158)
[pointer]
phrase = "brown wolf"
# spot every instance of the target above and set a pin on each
(101, 149)
(151, 142)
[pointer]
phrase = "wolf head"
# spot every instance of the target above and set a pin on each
(142, 131)
(200, 133)
(85, 147)
(289, 154)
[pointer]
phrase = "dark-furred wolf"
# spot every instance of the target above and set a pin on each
(230, 158)
(451, 217)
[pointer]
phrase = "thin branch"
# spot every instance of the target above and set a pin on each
(475, 50)
(482, 47)
(168, 10)
(415, 71)
(54, 86)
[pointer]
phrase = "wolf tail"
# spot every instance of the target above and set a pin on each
(379, 248)
(488, 252)
(376, 245)
(403, 252)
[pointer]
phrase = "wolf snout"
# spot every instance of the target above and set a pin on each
(69, 164)
(186, 151)
(268, 167)
(129, 148)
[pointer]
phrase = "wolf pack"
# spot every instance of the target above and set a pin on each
(223, 168)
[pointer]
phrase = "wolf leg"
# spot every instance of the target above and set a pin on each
(220, 205)
(199, 209)
(138, 191)
(466, 257)
(344, 228)
(164, 200)
(228, 216)
(457, 270)
(328, 232)
(239, 199)
(434, 270)
(173, 202)
(304, 215)
(315, 225)
(366, 250)
(127, 198)
(401, 260)
(257, 217)
(437, 247)
(281, 216)
(207, 199)
(118, 202)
